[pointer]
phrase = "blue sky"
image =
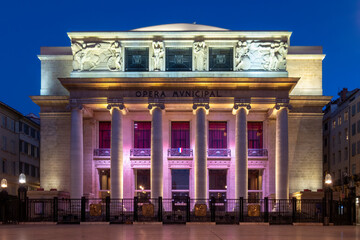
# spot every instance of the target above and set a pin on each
(28, 25)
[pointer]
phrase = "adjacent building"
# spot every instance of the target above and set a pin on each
(342, 139)
(181, 110)
(20, 148)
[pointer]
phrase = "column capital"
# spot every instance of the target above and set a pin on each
(282, 103)
(156, 103)
(74, 104)
(241, 103)
(201, 103)
(116, 103)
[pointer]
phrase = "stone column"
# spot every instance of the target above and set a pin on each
(116, 165)
(241, 152)
(200, 163)
(76, 153)
(156, 172)
(282, 154)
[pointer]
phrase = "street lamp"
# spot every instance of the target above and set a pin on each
(3, 184)
(22, 192)
(3, 200)
(328, 206)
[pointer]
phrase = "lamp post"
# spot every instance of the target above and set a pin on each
(22, 194)
(3, 200)
(328, 199)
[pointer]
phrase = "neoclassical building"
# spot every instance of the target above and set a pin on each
(181, 110)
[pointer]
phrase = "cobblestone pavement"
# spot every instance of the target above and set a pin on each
(158, 231)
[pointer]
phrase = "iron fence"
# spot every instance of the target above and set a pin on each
(177, 210)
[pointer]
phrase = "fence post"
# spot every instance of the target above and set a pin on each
(266, 209)
(212, 209)
(55, 209)
(188, 209)
(83, 202)
(294, 202)
(241, 209)
(136, 209)
(160, 209)
(107, 207)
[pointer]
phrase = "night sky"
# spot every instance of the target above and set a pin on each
(28, 25)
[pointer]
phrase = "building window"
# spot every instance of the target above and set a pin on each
(27, 168)
(104, 175)
(12, 146)
(180, 135)
(104, 134)
(339, 120)
(21, 170)
(353, 129)
(353, 149)
(353, 169)
(333, 141)
(26, 129)
(142, 134)
(217, 135)
(10, 124)
(26, 148)
(142, 184)
(221, 59)
(346, 154)
(339, 137)
(3, 122)
(4, 166)
(136, 59)
(32, 153)
(255, 135)
(353, 110)
(178, 59)
(254, 184)
(346, 116)
(32, 132)
(20, 126)
(180, 188)
(346, 134)
(334, 124)
(339, 156)
(358, 107)
(217, 184)
(358, 147)
(4, 145)
(33, 174)
(358, 126)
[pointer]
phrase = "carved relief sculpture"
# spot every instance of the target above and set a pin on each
(96, 56)
(200, 56)
(158, 55)
(257, 55)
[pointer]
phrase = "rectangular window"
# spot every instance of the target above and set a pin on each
(37, 152)
(178, 59)
(26, 129)
(27, 169)
(217, 185)
(358, 107)
(142, 134)
(12, 146)
(32, 153)
(3, 121)
(353, 169)
(346, 154)
(334, 124)
(353, 129)
(180, 179)
(353, 149)
(217, 134)
(4, 145)
(4, 166)
(255, 135)
(339, 120)
(142, 184)
(254, 184)
(32, 132)
(353, 110)
(358, 126)
(136, 59)
(10, 124)
(180, 135)
(221, 59)
(339, 138)
(346, 116)
(346, 134)
(358, 147)
(20, 126)
(104, 134)
(104, 175)
(339, 156)
(21, 170)
(33, 174)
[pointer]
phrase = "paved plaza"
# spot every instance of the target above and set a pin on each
(158, 231)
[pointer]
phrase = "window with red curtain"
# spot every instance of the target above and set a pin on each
(104, 134)
(142, 134)
(180, 135)
(217, 135)
(255, 135)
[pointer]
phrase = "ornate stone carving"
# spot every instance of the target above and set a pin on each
(200, 56)
(282, 102)
(148, 210)
(95, 209)
(254, 210)
(158, 56)
(96, 56)
(242, 102)
(115, 102)
(200, 210)
(258, 55)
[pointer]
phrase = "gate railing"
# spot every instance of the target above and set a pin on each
(176, 210)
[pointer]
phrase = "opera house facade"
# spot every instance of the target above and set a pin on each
(181, 110)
